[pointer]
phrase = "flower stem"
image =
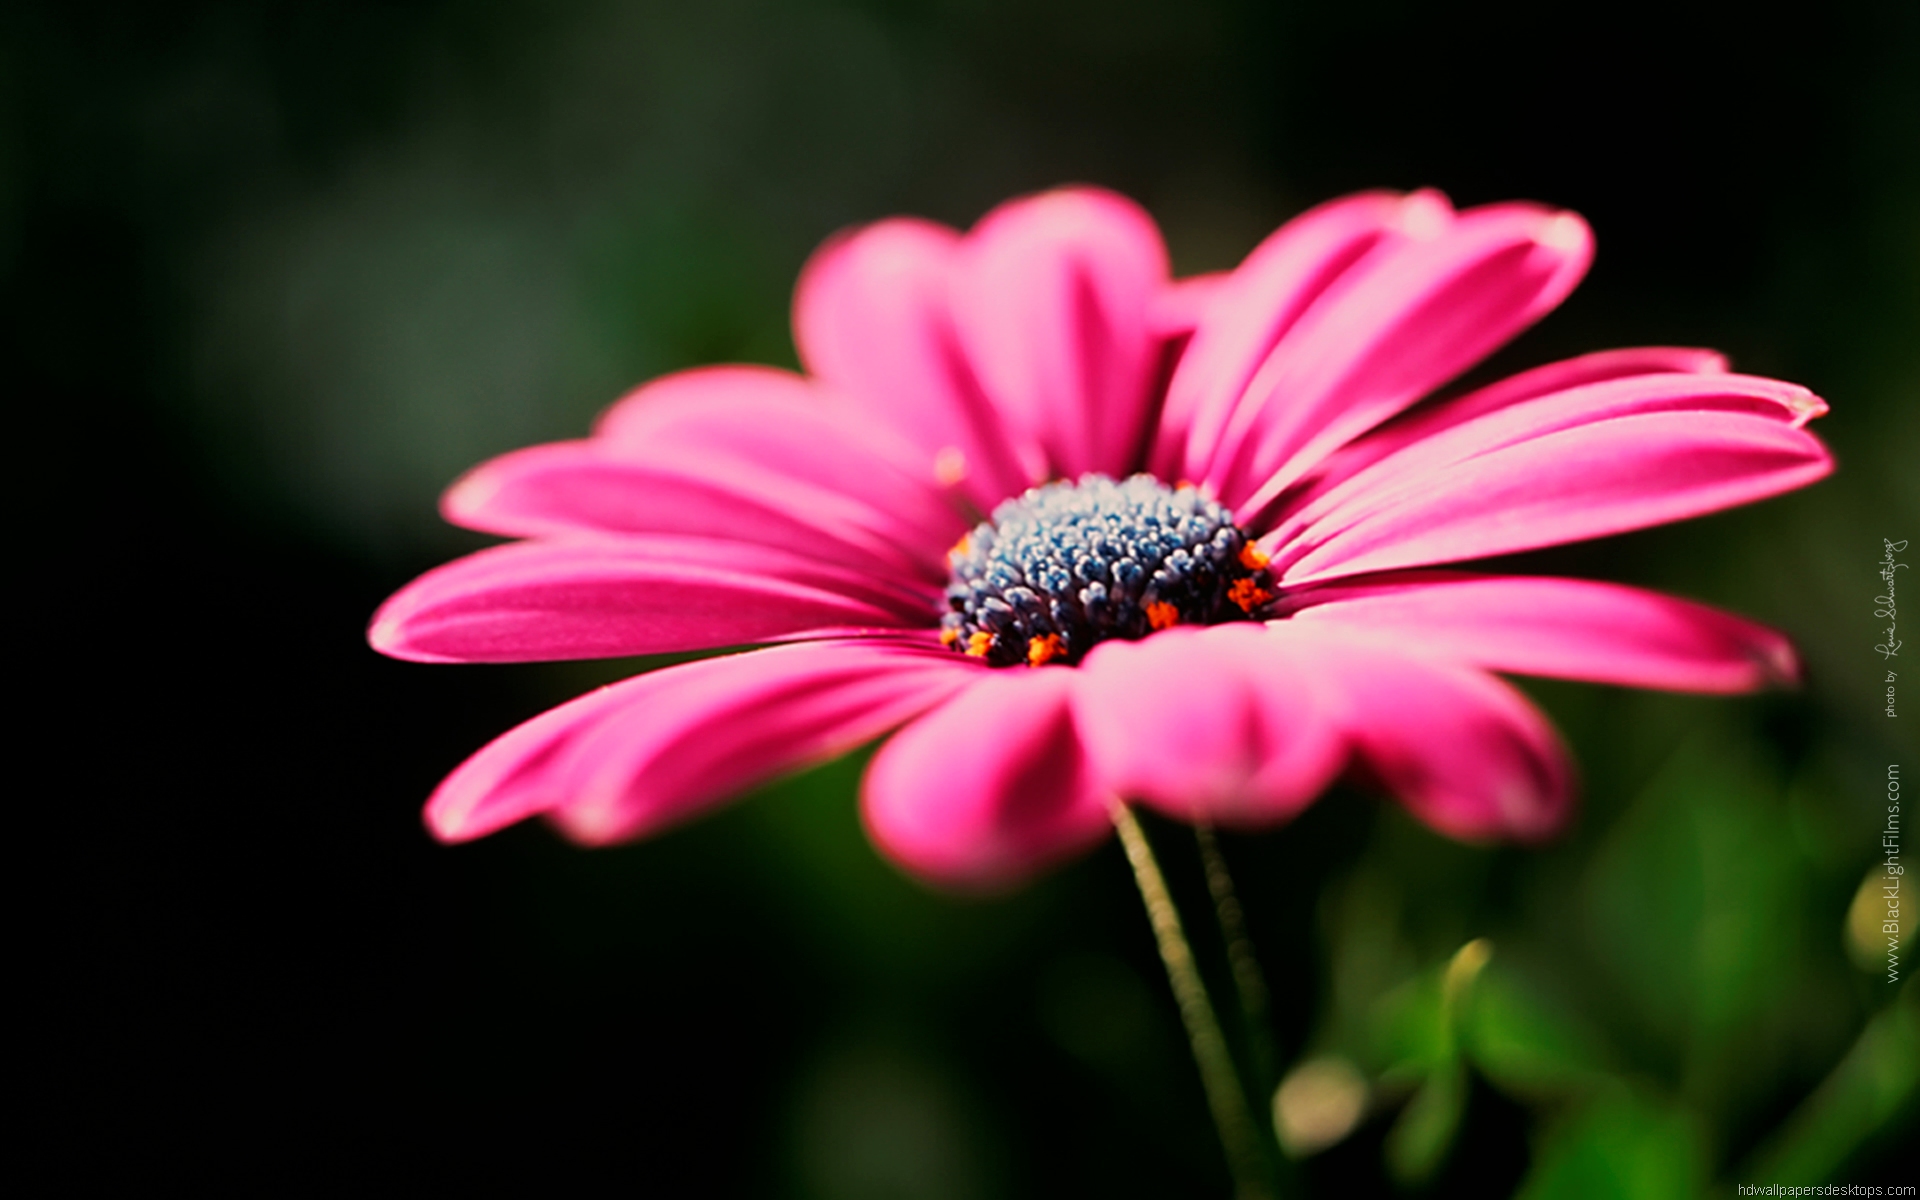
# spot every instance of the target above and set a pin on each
(1238, 1134)
(1247, 978)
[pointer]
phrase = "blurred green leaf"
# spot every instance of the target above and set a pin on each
(1870, 1088)
(1410, 1027)
(1525, 1044)
(1620, 1147)
(1694, 904)
(1420, 1029)
(1418, 1142)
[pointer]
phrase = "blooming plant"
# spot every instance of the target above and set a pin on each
(1085, 535)
(1080, 532)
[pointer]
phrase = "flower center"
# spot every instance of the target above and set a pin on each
(1068, 565)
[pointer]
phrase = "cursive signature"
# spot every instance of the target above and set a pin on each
(1885, 606)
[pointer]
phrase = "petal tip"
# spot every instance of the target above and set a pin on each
(595, 825)
(390, 634)
(1779, 665)
(445, 825)
(449, 813)
(468, 496)
(1423, 215)
(1804, 406)
(387, 634)
(1564, 231)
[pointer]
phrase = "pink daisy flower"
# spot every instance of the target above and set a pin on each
(1073, 532)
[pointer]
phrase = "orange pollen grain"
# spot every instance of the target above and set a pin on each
(1252, 559)
(1162, 615)
(949, 638)
(1044, 649)
(961, 547)
(1248, 594)
(979, 642)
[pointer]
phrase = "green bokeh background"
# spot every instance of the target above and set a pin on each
(277, 273)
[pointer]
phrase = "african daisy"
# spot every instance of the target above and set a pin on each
(1074, 533)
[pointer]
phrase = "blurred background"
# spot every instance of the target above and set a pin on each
(275, 274)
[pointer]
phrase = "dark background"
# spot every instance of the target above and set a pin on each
(276, 273)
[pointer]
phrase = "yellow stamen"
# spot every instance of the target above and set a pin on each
(1044, 649)
(1252, 559)
(1248, 594)
(1162, 615)
(961, 547)
(979, 642)
(949, 638)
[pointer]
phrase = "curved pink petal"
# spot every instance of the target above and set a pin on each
(1241, 317)
(1053, 298)
(774, 420)
(740, 453)
(872, 320)
(989, 788)
(1409, 317)
(1471, 426)
(1176, 312)
(1561, 376)
(629, 759)
(693, 735)
(655, 407)
(571, 488)
(1464, 751)
(1227, 724)
(1569, 628)
(610, 597)
(1592, 461)
(518, 775)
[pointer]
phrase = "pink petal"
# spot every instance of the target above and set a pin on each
(1587, 462)
(1177, 310)
(609, 597)
(1243, 316)
(653, 408)
(517, 775)
(774, 421)
(1052, 298)
(1540, 381)
(1570, 628)
(989, 788)
(1227, 724)
(872, 321)
(1464, 751)
(630, 758)
(741, 453)
(706, 731)
(1409, 317)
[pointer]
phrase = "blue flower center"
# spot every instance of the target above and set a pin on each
(1069, 565)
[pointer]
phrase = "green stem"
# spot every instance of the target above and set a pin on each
(1238, 1134)
(1247, 979)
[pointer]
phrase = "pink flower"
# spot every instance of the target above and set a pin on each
(1225, 599)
